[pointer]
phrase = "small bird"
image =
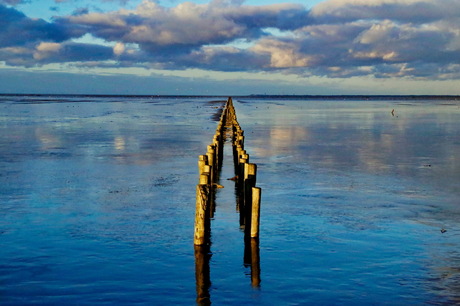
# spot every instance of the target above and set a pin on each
(393, 112)
(443, 230)
(233, 178)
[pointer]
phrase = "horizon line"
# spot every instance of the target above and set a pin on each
(273, 96)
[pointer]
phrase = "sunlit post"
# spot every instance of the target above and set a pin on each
(255, 217)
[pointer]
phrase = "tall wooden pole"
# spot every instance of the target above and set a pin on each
(255, 217)
(202, 193)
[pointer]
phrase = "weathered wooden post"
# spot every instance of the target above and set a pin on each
(250, 176)
(241, 178)
(202, 161)
(248, 196)
(221, 151)
(205, 175)
(250, 173)
(237, 149)
(202, 193)
(211, 153)
(216, 145)
(218, 142)
(243, 159)
(255, 217)
(240, 139)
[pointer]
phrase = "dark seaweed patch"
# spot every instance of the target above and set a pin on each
(165, 181)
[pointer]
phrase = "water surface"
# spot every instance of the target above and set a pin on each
(97, 196)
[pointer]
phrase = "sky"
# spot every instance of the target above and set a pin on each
(230, 47)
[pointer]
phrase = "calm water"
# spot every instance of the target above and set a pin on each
(97, 200)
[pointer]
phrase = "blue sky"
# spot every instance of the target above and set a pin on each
(230, 47)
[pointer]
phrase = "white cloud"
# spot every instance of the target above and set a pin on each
(282, 54)
(119, 48)
(46, 50)
(385, 30)
(98, 19)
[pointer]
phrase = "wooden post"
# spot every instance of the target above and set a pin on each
(216, 145)
(241, 178)
(219, 148)
(250, 173)
(202, 161)
(202, 192)
(240, 139)
(211, 161)
(248, 196)
(236, 155)
(244, 156)
(255, 218)
(205, 175)
(221, 144)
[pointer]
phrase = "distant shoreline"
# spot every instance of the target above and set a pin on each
(259, 96)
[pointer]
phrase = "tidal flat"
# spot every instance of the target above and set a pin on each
(360, 201)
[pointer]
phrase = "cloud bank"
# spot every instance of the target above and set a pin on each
(337, 38)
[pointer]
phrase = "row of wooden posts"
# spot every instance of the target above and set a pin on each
(209, 166)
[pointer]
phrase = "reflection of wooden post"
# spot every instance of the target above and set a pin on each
(202, 192)
(202, 274)
(255, 263)
(255, 218)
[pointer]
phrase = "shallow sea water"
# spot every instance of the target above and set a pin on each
(97, 198)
